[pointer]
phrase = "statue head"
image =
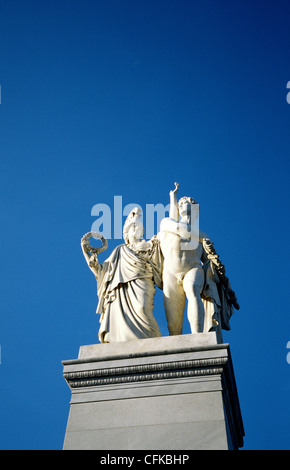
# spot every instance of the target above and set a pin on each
(185, 205)
(133, 229)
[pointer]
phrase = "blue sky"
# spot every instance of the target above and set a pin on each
(123, 98)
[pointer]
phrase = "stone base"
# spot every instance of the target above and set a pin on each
(166, 393)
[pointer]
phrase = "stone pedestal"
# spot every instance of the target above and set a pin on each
(166, 393)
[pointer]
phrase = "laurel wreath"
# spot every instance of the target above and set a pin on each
(95, 250)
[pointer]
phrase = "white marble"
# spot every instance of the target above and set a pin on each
(126, 284)
(166, 344)
(192, 271)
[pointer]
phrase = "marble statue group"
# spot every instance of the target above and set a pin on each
(181, 260)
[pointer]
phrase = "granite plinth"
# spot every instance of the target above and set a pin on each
(176, 392)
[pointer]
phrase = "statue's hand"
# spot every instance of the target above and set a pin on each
(85, 244)
(93, 261)
(174, 191)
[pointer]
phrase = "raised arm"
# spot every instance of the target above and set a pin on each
(91, 259)
(173, 211)
(90, 253)
(170, 224)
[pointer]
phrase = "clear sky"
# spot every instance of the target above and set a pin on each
(124, 97)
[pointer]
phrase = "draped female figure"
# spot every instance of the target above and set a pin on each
(126, 284)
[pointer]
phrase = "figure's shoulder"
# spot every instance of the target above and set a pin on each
(116, 251)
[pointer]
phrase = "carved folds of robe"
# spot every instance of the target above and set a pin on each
(126, 288)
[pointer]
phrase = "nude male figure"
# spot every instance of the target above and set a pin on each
(183, 276)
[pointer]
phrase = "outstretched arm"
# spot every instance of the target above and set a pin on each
(170, 224)
(92, 260)
(173, 211)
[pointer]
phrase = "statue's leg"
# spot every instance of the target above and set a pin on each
(174, 303)
(193, 285)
